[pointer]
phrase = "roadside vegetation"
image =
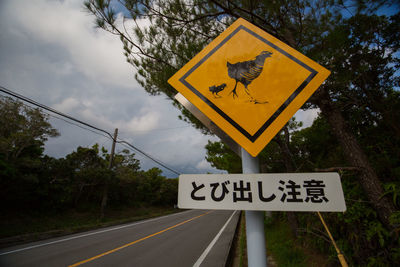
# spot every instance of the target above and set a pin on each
(288, 250)
(361, 236)
(42, 194)
(30, 226)
(282, 246)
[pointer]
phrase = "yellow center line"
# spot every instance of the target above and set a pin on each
(136, 241)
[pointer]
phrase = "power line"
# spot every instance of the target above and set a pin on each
(77, 125)
(33, 102)
(145, 154)
(69, 122)
(161, 129)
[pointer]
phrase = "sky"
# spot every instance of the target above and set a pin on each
(51, 52)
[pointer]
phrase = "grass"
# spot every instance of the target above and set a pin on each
(282, 246)
(25, 227)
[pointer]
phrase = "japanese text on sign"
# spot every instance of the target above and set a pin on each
(297, 192)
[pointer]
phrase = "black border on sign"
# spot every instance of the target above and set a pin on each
(254, 137)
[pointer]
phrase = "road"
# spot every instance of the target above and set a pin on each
(189, 238)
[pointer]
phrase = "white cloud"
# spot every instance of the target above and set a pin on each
(147, 122)
(203, 165)
(52, 53)
(95, 53)
(307, 116)
(67, 105)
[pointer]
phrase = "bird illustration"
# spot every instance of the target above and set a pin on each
(245, 72)
(216, 89)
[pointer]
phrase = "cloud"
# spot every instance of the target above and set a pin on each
(67, 105)
(307, 116)
(52, 53)
(95, 53)
(147, 122)
(203, 165)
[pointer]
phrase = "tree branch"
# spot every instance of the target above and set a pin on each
(333, 169)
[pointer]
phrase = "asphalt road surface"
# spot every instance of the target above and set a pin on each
(189, 238)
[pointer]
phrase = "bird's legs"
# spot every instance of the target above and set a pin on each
(252, 99)
(255, 101)
(234, 91)
(247, 91)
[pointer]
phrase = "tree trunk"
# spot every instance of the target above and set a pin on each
(104, 200)
(355, 155)
(287, 154)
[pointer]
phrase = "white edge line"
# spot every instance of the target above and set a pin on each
(208, 249)
(89, 234)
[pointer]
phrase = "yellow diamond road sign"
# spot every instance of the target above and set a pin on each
(249, 83)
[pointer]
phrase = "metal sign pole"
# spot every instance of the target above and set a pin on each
(256, 251)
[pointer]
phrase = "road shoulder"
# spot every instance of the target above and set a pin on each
(218, 256)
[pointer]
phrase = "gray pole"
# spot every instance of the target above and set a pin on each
(105, 189)
(256, 251)
(113, 148)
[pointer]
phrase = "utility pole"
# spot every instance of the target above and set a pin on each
(105, 190)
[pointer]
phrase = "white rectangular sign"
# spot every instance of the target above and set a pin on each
(271, 191)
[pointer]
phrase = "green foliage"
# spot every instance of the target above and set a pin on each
(23, 132)
(395, 218)
(33, 225)
(376, 230)
(281, 245)
(222, 157)
(358, 232)
(31, 181)
(393, 189)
